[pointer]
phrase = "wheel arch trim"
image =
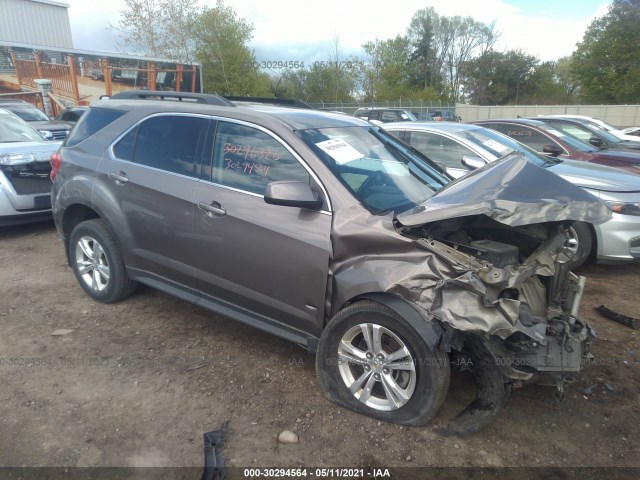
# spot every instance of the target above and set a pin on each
(429, 329)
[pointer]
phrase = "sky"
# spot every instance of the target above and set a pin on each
(288, 30)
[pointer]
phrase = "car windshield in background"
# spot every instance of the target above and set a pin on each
(378, 170)
(13, 130)
(500, 145)
(408, 116)
(28, 113)
(573, 142)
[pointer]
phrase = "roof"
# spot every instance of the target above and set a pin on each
(292, 118)
(95, 53)
(436, 126)
(523, 121)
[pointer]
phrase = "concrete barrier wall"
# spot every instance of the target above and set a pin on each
(618, 115)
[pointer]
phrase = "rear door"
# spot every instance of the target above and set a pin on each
(151, 173)
(268, 260)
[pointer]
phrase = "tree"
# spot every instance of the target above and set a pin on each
(429, 49)
(159, 28)
(607, 61)
(386, 75)
(228, 66)
(498, 78)
(441, 47)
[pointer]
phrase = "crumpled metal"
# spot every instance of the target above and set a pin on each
(512, 191)
(369, 255)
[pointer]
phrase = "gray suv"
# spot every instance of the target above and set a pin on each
(327, 231)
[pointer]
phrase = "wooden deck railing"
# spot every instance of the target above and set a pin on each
(64, 77)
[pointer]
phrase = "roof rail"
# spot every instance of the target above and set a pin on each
(271, 101)
(172, 96)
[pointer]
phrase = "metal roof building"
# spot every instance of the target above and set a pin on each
(39, 22)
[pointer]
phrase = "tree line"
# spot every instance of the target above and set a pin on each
(450, 59)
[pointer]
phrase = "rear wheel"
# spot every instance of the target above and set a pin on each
(97, 263)
(370, 360)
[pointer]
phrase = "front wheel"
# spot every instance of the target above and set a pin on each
(371, 361)
(580, 243)
(97, 263)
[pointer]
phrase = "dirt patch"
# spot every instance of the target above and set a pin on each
(138, 382)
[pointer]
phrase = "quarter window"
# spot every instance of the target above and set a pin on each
(248, 159)
(168, 142)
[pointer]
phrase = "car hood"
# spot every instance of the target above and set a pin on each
(40, 151)
(597, 177)
(512, 191)
(620, 155)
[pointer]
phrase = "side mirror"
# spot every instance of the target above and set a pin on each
(596, 142)
(289, 193)
(473, 162)
(552, 150)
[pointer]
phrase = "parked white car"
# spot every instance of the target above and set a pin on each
(621, 134)
(25, 186)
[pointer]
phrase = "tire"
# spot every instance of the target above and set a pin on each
(97, 263)
(367, 382)
(581, 242)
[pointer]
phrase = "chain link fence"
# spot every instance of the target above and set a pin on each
(420, 107)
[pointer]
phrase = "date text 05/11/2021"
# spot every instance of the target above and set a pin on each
(368, 473)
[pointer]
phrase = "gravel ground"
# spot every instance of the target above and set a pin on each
(137, 384)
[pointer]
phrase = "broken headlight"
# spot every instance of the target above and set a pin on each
(625, 208)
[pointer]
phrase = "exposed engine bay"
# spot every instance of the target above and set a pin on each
(522, 277)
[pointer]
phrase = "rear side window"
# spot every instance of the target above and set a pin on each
(523, 134)
(248, 159)
(167, 142)
(93, 120)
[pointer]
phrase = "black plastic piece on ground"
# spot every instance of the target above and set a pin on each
(214, 468)
(491, 393)
(617, 317)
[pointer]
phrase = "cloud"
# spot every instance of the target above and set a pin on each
(288, 30)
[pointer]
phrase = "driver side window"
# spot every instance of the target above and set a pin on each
(248, 159)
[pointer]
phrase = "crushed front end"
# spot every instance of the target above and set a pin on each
(509, 303)
(501, 282)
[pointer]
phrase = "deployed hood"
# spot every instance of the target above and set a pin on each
(512, 191)
(597, 177)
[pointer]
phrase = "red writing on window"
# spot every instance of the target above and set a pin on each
(519, 133)
(247, 151)
(248, 167)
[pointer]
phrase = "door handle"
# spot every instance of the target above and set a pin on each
(120, 178)
(213, 209)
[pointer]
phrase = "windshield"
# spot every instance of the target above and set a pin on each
(28, 113)
(500, 145)
(584, 132)
(408, 116)
(573, 142)
(13, 130)
(381, 173)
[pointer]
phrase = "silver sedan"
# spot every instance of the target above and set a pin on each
(460, 148)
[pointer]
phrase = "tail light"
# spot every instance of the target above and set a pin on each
(55, 161)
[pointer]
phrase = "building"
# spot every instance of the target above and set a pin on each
(35, 22)
(36, 43)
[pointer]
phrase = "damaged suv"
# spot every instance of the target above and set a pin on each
(327, 231)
